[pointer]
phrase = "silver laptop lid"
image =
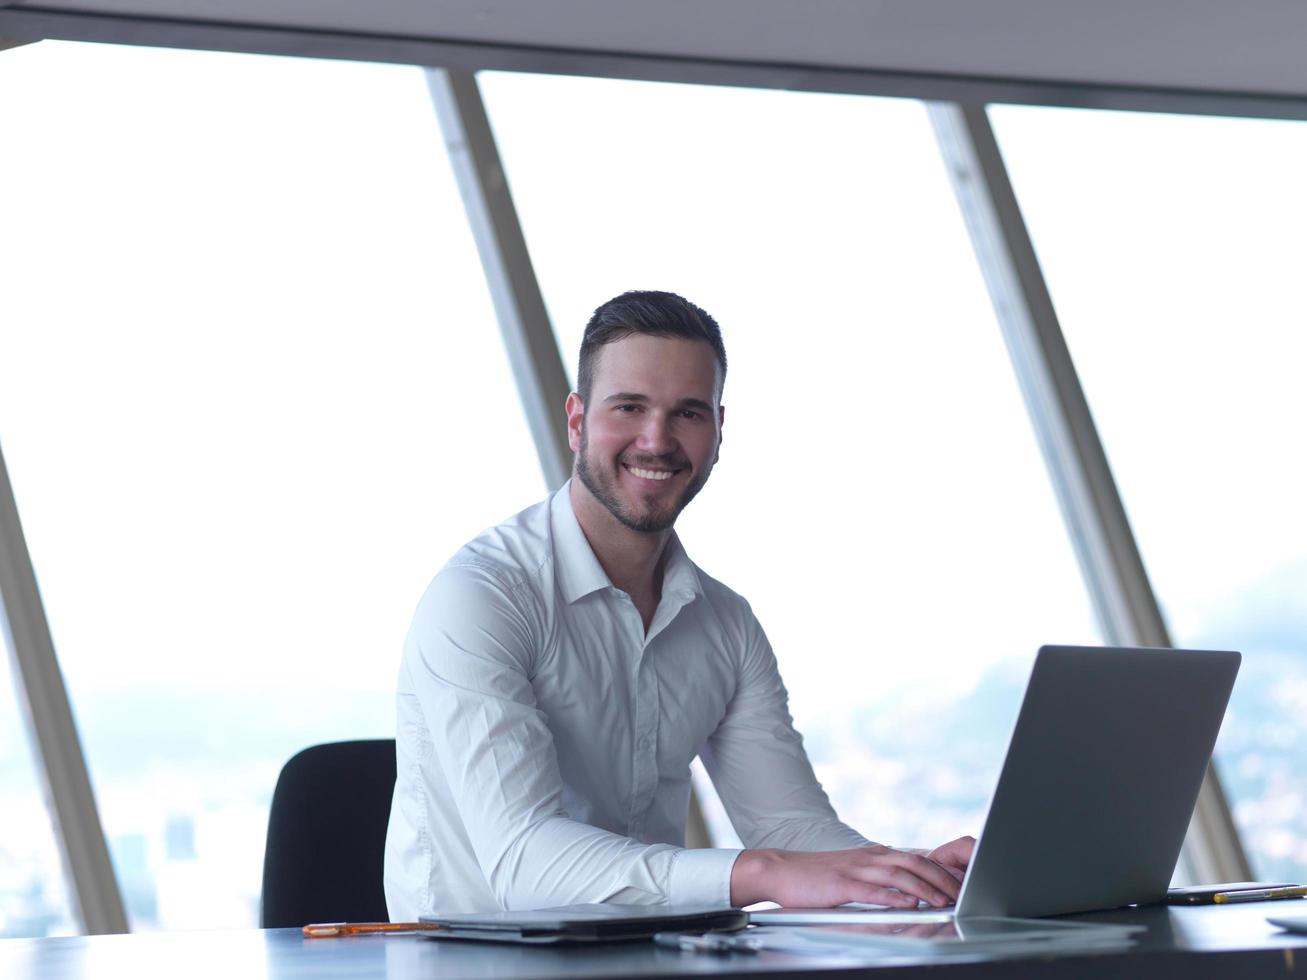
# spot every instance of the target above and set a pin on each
(1100, 780)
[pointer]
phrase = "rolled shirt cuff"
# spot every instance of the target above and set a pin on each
(702, 876)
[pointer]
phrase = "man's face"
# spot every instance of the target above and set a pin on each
(647, 440)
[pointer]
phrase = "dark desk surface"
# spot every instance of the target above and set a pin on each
(1195, 942)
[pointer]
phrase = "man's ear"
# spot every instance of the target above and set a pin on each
(575, 419)
(721, 424)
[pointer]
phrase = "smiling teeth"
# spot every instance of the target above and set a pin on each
(651, 474)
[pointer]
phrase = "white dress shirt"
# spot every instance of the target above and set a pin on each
(545, 739)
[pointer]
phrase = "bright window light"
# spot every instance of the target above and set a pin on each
(252, 397)
(1174, 250)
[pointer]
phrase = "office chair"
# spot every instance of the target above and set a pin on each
(327, 835)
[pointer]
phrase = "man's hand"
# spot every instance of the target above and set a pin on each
(955, 856)
(876, 875)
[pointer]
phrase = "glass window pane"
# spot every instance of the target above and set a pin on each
(250, 382)
(1174, 250)
(880, 497)
(34, 899)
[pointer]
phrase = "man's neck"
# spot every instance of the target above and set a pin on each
(633, 560)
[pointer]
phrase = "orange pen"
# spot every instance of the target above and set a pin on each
(321, 930)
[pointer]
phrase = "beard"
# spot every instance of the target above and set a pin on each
(655, 517)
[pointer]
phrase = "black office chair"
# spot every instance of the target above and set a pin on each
(327, 835)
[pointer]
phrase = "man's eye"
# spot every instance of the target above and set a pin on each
(689, 413)
(628, 408)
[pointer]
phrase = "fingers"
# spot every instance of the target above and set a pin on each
(876, 895)
(955, 855)
(957, 871)
(876, 875)
(928, 871)
(914, 876)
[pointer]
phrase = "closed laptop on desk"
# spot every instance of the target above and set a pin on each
(584, 923)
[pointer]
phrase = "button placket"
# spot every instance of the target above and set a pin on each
(634, 625)
(646, 739)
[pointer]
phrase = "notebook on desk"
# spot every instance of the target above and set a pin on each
(1101, 777)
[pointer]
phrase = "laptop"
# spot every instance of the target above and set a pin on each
(1101, 777)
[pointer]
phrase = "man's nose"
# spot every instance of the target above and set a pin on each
(656, 437)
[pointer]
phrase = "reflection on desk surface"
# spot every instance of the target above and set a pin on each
(980, 930)
(1224, 940)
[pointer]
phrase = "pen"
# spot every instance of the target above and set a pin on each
(1262, 894)
(320, 930)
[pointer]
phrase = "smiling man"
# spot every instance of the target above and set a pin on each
(565, 668)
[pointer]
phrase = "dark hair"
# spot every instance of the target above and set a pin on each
(645, 311)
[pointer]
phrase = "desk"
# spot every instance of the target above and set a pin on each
(1199, 942)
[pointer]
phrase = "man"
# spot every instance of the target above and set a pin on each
(565, 668)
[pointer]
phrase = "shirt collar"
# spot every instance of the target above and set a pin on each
(680, 576)
(578, 570)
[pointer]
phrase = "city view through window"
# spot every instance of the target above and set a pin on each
(1192, 362)
(252, 396)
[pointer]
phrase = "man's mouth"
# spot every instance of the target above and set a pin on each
(646, 474)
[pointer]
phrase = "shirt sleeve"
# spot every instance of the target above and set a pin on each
(471, 651)
(759, 768)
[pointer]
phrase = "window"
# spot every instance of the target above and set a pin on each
(1174, 249)
(880, 497)
(34, 897)
(252, 396)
